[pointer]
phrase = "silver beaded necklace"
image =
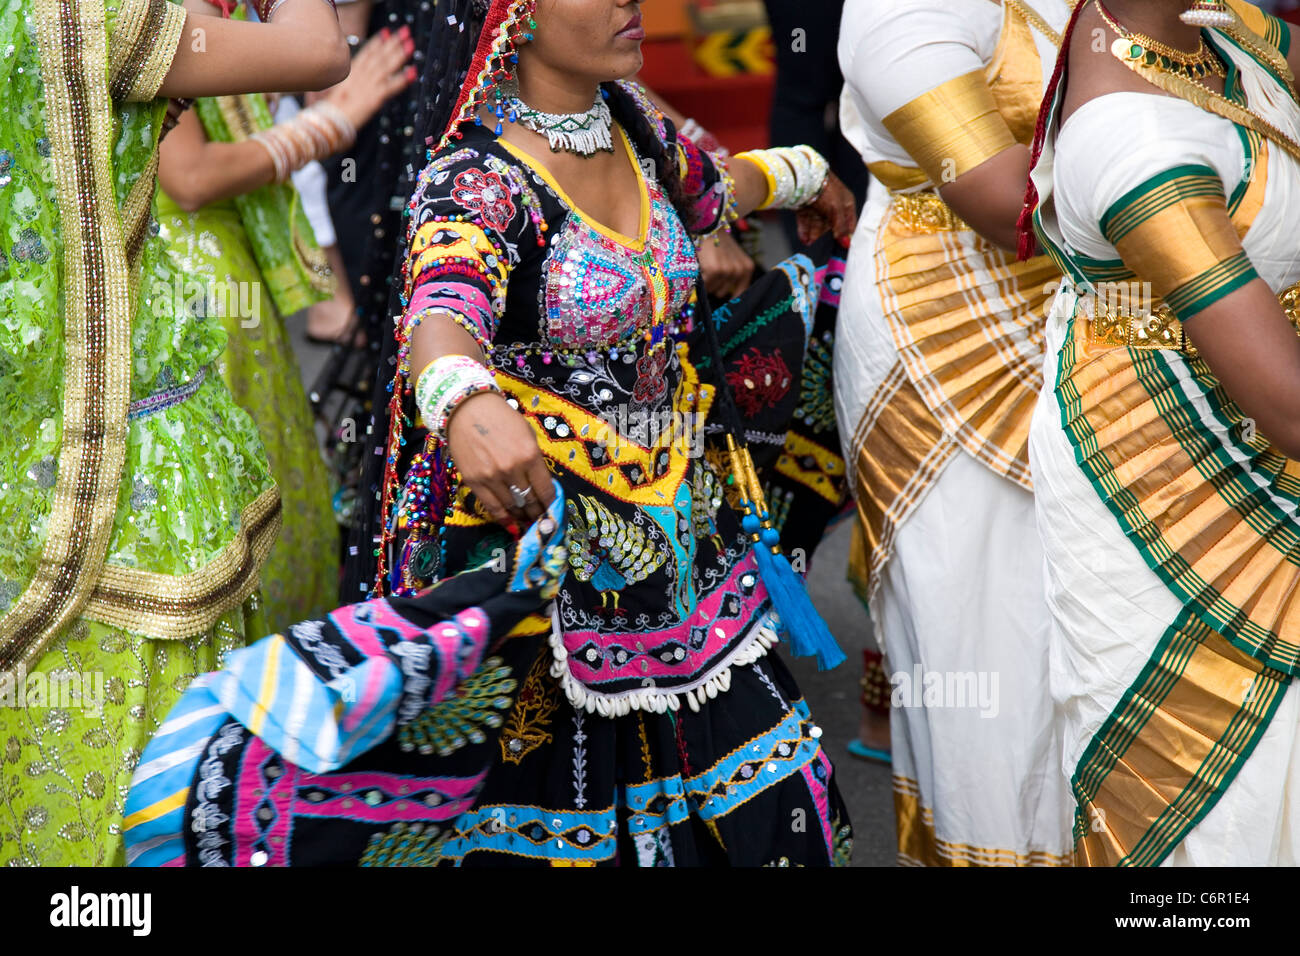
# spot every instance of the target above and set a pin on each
(582, 133)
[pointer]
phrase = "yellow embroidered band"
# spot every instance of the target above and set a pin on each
(951, 129)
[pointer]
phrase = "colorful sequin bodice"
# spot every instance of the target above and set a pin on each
(601, 289)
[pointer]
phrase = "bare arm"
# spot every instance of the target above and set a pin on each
(1254, 351)
(354, 18)
(194, 171)
(302, 49)
(988, 198)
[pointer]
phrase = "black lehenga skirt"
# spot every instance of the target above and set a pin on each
(434, 730)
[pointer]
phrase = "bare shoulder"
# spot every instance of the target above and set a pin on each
(1093, 69)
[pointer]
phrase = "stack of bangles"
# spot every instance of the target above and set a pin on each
(265, 9)
(319, 131)
(444, 384)
(795, 175)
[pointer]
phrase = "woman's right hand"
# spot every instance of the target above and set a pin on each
(379, 70)
(494, 447)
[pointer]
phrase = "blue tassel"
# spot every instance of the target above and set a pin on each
(805, 631)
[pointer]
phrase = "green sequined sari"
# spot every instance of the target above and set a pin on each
(212, 249)
(136, 505)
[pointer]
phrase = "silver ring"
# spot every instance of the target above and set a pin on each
(520, 495)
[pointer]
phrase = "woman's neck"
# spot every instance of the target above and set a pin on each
(1158, 19)
(552, 92)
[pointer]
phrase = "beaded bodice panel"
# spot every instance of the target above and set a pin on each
(600, 287)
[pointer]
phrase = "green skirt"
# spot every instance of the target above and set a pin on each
(212, 251)
(76, 725)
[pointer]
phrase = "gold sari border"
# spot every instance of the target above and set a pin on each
(894, 177)
(182, 605)
(900, 451)
(951, 129)
(966, 324)
(1174, 230)
(140, 74)
(1223, 542)
(80, 123)
(1169, 750)
(920, 845)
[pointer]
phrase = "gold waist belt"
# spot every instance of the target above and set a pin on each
(1115, 323)
(925, 212)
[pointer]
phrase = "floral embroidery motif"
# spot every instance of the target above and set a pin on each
(759, 381)
(537, 701)
(483, 192)
(651, 383)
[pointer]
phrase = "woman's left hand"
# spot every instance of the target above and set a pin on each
(725, 267)
(833, 209)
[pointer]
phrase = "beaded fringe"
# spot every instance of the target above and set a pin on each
(585, 142)
(756, 645)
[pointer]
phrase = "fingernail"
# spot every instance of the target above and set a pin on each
(513, 529)
(405, 31)
(408, 45)
(410, 73)
(384, 33)
(846, 241)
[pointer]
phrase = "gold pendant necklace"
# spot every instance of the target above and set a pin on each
(1138, 46)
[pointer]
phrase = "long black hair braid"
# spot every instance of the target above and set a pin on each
(448, 53)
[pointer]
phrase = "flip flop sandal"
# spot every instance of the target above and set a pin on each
(860, 750)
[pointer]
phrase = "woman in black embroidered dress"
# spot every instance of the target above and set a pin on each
(637, 715)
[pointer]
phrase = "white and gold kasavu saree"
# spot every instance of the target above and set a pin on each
(1171, 527)
(938, 365)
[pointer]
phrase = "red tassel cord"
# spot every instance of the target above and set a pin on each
(1026, 244)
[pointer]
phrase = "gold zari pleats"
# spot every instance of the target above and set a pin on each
(1170, 747)
(900, 450)
(966, 319)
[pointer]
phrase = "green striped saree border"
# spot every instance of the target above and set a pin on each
(1125, 723)
(1154, 195)
(1217, 466)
